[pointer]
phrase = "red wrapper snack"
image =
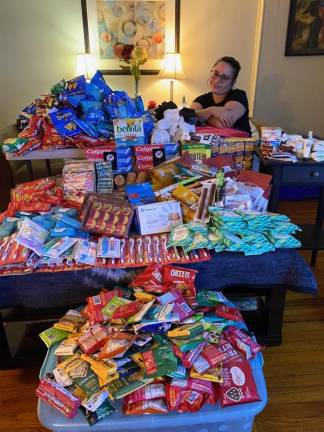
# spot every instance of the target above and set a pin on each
(181, 279)
(230, 352)
(151, 279)
(58, 397)
(149, 392)
(191, 356)
(188, 395)
(209, 358)
(127, 310)
(229, 313)
(157, 406)
(96, 303)
(238, 385)
(242, 342)
(92, 340)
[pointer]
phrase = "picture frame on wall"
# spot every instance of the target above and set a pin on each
(305, 33)
(108, 25)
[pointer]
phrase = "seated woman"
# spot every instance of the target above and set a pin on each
(223, 106)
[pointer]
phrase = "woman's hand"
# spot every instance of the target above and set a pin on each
(223, 115)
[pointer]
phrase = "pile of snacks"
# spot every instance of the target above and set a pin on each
(78, 114)
(157, 345)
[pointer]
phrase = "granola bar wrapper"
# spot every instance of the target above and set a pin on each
(157, 406)
(149, 392)
(229, 313)
(242, 341)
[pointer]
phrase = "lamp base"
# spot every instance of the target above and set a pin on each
(171, 90)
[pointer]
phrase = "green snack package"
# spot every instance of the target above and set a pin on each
(180, 236)
(210, 298)
(199, 241)
(105, 409)
(58, 88)
(86, 379)
(193, 318)
(188, 344)
(112, 305)
(126, 385)
(159, 361)
(52, 335)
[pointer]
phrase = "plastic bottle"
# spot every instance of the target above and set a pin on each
(308, 143)
(183, 103)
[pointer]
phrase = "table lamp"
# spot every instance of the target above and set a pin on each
(85, 65)
(172, 69)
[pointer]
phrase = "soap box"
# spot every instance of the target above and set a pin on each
(158, 217)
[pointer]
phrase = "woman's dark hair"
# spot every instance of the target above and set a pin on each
(231, 61)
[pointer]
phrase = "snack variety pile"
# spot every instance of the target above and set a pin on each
(134, 200)
(78, 114)
(157, 345)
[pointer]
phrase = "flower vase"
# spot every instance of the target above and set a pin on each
(137, 81)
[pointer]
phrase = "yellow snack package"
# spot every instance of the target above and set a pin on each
(214, 375)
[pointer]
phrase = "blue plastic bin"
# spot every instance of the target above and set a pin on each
(211, 418)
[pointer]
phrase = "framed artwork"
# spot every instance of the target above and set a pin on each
(305, 33)
(108, 25)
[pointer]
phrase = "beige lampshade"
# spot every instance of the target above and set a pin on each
(85, 65)
(172, 67)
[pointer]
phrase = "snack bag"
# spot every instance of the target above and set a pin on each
(70, 322)
(127, 310)
(229, 313)
(97, 303)
(242, 342)
(105, 409)
(149, 392)
(181, 279)
(117, 344)
(151, 279)
(209, 358)
(159, 361)
(52, 335)
(156, 406)
(238, 384)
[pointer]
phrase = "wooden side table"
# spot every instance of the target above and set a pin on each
(302, 173)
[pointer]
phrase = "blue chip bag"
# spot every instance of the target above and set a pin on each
(75, 85)
(95, 116)
(64, 121)
(100, 82)
(93, 92)
(88, 105)
(75, 99)
(88, 128)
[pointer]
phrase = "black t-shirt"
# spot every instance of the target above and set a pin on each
(206, 100)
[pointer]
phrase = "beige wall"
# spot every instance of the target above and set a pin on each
(39, 40)
(290, 90)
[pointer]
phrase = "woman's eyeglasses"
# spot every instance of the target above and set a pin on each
(223, 78)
